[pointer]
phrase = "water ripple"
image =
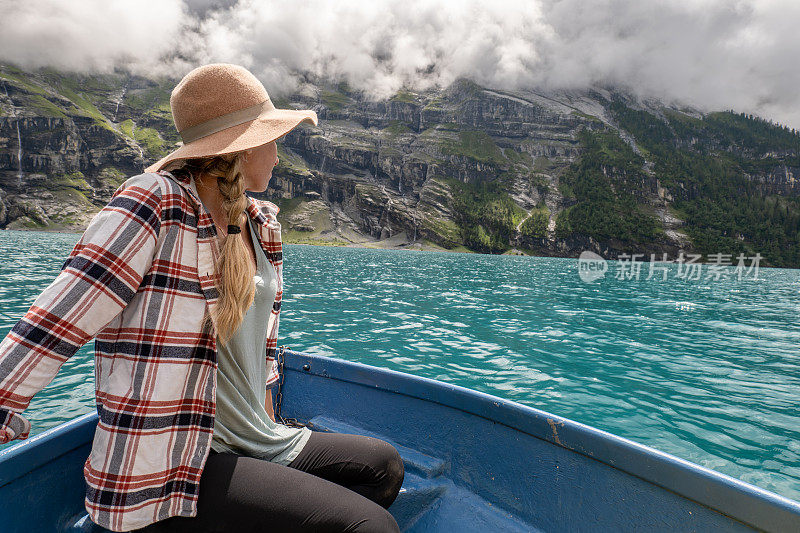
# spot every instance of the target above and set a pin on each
(707, 371)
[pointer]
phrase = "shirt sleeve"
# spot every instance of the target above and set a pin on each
(272, 363)
(97, 281)
(273, 376)
(275, 248)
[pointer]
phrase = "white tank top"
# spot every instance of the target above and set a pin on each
(241, 423)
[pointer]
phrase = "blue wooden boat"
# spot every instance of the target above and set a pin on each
(474, 462)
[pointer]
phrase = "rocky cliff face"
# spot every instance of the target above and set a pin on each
(418, 168)
(66, 143)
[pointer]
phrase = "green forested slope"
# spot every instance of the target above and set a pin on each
(713, 168)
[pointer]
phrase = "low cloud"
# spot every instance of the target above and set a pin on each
(713, 54)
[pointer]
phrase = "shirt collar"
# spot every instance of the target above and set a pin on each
(262, 212)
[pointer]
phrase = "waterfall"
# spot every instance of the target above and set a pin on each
(121, 96)
(19, 152)
(322, 167)
(19, 137)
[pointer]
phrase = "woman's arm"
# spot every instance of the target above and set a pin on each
(97, 281)
(268, 405)
(274, 251)
(273, 323)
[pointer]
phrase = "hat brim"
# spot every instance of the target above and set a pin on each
(263, 129)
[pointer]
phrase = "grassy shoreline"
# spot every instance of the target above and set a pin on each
(386, 244)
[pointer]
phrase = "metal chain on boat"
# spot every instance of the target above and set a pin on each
(291, 422)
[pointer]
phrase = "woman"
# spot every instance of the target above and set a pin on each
(185, 310)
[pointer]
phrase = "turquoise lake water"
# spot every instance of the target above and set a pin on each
(706, 370)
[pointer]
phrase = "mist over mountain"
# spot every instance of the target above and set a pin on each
(710, 54)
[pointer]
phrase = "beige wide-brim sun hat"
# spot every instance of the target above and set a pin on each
(222, 108)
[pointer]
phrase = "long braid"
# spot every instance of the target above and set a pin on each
(234, 267)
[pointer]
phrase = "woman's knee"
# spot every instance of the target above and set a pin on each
(393, 469)
(389, 461)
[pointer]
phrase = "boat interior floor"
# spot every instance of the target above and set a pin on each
(428, 501)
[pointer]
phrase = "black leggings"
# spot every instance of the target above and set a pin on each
(339, 482)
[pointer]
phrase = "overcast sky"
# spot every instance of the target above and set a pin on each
(713, 54)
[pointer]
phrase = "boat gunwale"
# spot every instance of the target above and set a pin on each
(717, 491)
(46, 447)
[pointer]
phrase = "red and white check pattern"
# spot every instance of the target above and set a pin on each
(138, 281)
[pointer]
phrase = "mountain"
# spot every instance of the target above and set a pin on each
(464, 168)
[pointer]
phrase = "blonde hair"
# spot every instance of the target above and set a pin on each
(234, 266)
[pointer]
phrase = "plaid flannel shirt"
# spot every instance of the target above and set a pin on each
(139, 281)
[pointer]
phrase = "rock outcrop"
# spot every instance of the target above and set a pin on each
(370, 171)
